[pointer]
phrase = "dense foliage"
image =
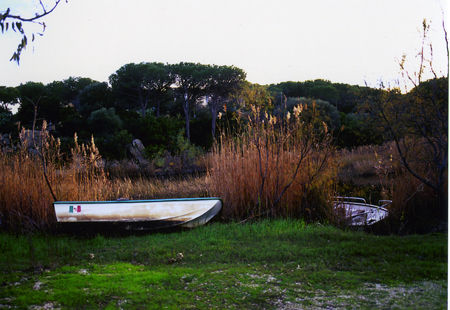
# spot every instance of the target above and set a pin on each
(157, 102)
(146, 101)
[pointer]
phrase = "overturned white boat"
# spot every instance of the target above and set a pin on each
(139, 214)
(356, 211)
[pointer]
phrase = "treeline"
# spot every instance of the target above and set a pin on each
(342, 106)
(154, 102)
(166, 106)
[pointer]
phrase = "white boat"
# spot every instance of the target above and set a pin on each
(139, 214)
(356, 211)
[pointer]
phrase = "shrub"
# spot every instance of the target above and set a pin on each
(158, 134)
(114, 146)
(103, 121)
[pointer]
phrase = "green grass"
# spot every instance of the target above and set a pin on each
(269, 264)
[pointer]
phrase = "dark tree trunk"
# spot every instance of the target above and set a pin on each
(142, 104)
(158, 104)
(186, 117)
(213, 109)
(443, 204)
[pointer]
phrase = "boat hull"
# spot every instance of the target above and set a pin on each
(138, 214)
(359, 214)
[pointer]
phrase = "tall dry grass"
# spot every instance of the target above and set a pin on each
(274, 167)
(144, 188)
(36, 171)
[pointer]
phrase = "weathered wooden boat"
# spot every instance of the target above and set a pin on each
(356, 211)
(138, 214)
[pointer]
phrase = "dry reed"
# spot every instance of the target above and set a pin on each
(274, 167)
(143, 188)
(368, 164)
(26, 198)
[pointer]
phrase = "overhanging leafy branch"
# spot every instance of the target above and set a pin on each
(16, 22)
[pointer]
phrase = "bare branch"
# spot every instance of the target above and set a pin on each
(446, 44)
(17, 23)
(32, 19)
(431, 61)
(42, 5)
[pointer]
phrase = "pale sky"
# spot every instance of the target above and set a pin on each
(348, 41)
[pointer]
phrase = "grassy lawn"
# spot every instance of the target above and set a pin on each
(270, 264)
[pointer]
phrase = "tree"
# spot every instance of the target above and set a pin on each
(94, 97)
(6, 121)
(320, 110)
(40, 102)
(345, 97)
(288, 89)
(160, 81)
(134, 85)
(62, 105)
(358, 129)
(9, 20)
(31, 95)
(325, 92)
(349, 97)
(224, 81)
(418, 123)
(191, 80)
(8, 96)
(67, 92)
(253, 94)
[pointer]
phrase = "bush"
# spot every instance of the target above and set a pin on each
(6, 121)
(158, 134)
(201, 130)
(322, 110)
(358, 129)
(114, 146)
(187, 158)
(104, 121)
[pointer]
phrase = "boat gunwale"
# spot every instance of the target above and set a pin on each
(139, 201)
(341, 204)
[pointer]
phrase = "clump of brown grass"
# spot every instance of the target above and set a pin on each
(36, 169)
(274, 167)
(143, 188)
(367, 164)
(127, 168)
